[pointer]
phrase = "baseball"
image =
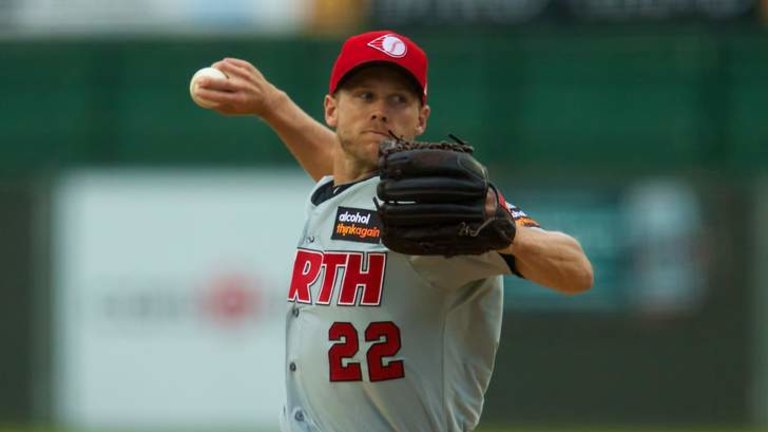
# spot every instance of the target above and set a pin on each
(204, 72)
(394, 46)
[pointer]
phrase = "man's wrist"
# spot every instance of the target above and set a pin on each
(509, 250)
(514, 246)
(274, 106)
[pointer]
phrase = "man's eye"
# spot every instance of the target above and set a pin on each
(365, 95)
(399, 99)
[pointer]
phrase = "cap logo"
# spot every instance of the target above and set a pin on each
(390, 45)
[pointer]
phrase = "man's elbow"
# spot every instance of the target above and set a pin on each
(580, 281)
(585, 280)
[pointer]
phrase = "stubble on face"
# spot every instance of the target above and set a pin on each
(360, 153)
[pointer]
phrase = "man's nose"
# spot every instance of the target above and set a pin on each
(379, 112)
(379, 115)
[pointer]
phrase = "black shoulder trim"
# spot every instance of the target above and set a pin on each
(323, 193)
(329, 190)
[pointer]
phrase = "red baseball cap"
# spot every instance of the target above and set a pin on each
(381, 46)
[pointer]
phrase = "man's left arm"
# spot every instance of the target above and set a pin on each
(551, 259)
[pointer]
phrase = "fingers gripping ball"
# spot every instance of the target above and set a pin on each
(435, 199)
(208, 72)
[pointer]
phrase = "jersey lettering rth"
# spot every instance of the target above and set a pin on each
(381, 339)
(351, 271)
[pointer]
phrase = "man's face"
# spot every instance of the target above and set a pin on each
(370, 104)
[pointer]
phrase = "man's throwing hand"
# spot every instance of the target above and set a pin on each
(246, 92)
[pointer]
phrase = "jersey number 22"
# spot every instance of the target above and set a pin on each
(386, 338)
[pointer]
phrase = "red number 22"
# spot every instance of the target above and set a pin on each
(386, 336)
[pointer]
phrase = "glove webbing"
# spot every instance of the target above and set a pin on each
(398, 144)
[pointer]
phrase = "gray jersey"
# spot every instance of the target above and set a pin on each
(380, 341)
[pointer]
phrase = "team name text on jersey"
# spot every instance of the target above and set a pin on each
(353, 272)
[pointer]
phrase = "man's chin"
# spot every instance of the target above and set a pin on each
(372, 144)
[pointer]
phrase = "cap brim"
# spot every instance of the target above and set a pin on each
(418, 89)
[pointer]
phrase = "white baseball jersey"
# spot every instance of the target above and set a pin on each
(381, 341)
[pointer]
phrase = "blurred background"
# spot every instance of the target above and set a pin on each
(145, 242)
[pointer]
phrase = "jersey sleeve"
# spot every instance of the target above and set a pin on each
(521, 220)
(520, 217)
(458, 271)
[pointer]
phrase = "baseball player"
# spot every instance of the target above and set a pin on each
(394, 307)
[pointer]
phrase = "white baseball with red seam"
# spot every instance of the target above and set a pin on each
(209, 72)
(394, 46)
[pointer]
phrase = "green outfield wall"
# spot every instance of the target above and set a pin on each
(578, 98)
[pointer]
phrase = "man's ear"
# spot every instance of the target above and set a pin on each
(331, 111)
(424, 112)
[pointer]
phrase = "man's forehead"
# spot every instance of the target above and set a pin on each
(371, 74)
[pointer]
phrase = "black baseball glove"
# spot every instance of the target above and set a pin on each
(435, 199)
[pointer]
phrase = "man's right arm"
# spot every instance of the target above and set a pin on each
(247, 92)
(311, 143)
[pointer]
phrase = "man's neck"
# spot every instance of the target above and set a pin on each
(348, 170)
(339, 180)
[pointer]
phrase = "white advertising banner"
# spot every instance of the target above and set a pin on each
(169, 294)
(157, 16)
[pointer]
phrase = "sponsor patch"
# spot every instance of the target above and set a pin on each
(527, 222)
(357, 225)
(521, 218)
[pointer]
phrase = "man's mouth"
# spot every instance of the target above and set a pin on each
(382, 133)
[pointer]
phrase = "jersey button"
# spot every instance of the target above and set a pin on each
(295, 311)
(299, 416)
(292, 367)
